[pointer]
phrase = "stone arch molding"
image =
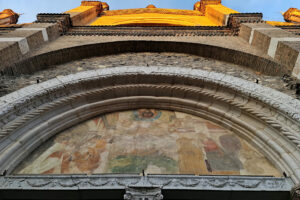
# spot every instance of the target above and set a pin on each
(63, 55)
(266, 118)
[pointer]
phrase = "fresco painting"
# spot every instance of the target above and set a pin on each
(157, 141)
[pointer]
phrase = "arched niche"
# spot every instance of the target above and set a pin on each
(265, 118)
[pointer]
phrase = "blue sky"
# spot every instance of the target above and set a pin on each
(270, 8)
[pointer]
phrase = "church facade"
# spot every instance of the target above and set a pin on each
(150, 103)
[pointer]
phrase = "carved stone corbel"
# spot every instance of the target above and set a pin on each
(144, 193)
(143, 190)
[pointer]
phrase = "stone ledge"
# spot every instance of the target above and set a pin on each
(29, 37)
(34, 37)
(267, 39)
(236, 19)
(168, 182)
(173, 187)
(51, 29)
(288, 53)
(247, 30)
(9, 51)
(279, 44)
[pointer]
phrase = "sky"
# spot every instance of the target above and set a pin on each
(29, 8)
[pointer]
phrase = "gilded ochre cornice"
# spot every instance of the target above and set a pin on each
(205, 13)
(152, 10)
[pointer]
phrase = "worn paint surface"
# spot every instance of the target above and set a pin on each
(158, 141)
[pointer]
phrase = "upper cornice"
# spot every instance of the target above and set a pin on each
(152, 10)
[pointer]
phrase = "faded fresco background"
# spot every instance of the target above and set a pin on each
(157, 141)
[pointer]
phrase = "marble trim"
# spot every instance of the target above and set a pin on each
(167, 182)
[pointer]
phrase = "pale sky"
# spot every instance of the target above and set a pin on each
(270, 8)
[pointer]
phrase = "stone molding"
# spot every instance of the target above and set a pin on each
(236, 19)
(43, 30)
(295, 29)
(60, 56)
(281, 45)
(172, 31)
(22, 42)
(63, 20)
(151, 10)
(265, 117)
(166, 182)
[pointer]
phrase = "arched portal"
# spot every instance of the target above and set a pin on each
(265, 120)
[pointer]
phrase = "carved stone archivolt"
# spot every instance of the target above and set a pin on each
(268, 119)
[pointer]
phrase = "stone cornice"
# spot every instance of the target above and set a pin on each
(152, 10)
(167, 182)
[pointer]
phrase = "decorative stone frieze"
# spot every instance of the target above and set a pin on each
(173, 31)
(134, 184)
